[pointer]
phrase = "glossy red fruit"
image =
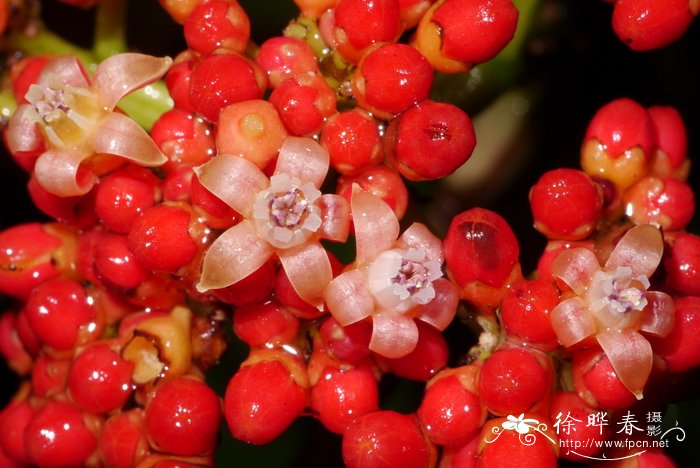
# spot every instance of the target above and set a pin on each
(427, 358)
(77, 211)
(177, 185)
(386, 439)
(429, 140)
(215, 212)
(100, 380)
(381, 182)
(58, 310)
(160, 239)
(284, 57)
(566, 204)
(508, 448)
(123, 440)
(57, 436)
(513, 380)
(261, 324)
(11, 347)
(342, 395)
(49, 375)
(682, 264)
(264, 397)
(178, 78)
(253, 289)
(671, 158)
(451, 412)
(217, 24)
(223, 79)
(116, 266)
(480, 246)
(597, 383)
(390, 78)
(13, 421)
(187, 140)
(26, 258)
(361, 23)
(650, 24)
(681, 348)
(353, 141)
(666, 202)
(350, 343)
(525, 313)
(303, 102)
(579, 435)
(183, 417)
(123, 195)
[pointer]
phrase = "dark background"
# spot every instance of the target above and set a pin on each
(573, 59)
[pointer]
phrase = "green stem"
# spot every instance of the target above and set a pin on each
(110, 36)
(147, 104)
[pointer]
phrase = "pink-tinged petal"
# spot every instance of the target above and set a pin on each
(233, 179)
(117, 134)
(23, 133)
(309, 271)
(376, 226)
(68, 68)
(441, 310)
(335, 214)
(572, 321)
(640, 249)
(630, 355)
(348, 298)
(235, 254)
(304, 159)
(659, 314)
(121, 74)
(418, 236)
(575, 267)
(393, 335)
(59, 172)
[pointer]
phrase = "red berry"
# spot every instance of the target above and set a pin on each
(223, 79)
(512, 381)
(566, 204)
(525, 313)
(217, 24)
(391, 78)
(597, 383)
(216, 213)
(99, 380)
(123, 440)
(480, 246)
(666, 202)
(681, 347)
(57, 436)
(578, 438)
(187, 140)
(508, 448)
(682, 264)
(650, 24)
(353, 141)
(264, 397)
(672, 140)
(361, 23)
(284, 57)
(349, 343)
(386, 439)
(342, 395)
(115, 265)
(264, 324)
(381, 182)
(13, 421)
(11, 347)
(58, 310)
(183, 417)
(160, 239)
(178, 81)
(303, 103)
(49, 375)
(427, 358)
(429, 141)
(77, 211)
(253, 289)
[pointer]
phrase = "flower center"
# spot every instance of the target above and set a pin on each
(402, 279)
(616, 298)
(66, 114)
(285, 214)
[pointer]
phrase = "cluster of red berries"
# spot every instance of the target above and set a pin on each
(124, 301)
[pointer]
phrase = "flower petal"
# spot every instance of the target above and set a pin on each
(59, 172)
(441, 310)
(376, 226)
(418, 236)
(335, 213)
(572, 321)
(23, 133)
(234, 180)
(304, 159)
(119, 135)
(575, 267)
(235, 254)
(348, 298)
(309, 271)
(640, 249)
(659, 314)
(630, 355)
(68, 68)
(121, 74)
(393, 335)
